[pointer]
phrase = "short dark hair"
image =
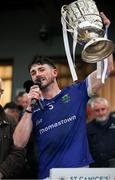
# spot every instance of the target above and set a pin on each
(41, 60)
(12, 105)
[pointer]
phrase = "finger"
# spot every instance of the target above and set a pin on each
(106, 21)
(34, 87)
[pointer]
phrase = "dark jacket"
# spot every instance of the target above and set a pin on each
(12, 160)
(102, 141)
(32, 159)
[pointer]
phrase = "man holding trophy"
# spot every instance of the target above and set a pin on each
(60, 126)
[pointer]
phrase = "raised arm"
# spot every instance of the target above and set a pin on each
(94, 84)
(24, 128)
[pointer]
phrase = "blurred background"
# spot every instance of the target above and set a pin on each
(30, 27)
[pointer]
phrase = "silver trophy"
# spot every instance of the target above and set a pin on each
(83, 21)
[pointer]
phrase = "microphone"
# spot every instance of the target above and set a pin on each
(27, 85)
(35, 101)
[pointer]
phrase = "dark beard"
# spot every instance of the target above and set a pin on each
(44, 87)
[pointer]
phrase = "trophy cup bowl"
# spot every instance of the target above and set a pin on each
(83, 17)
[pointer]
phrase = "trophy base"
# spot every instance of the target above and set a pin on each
(97, 49)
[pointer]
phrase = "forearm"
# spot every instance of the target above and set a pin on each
(23, 130)
(110, 64)
(94, 83)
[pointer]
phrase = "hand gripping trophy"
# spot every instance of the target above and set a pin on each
(82, 19)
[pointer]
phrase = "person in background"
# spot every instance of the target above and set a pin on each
(89, 110)
(21, 99)
(101, 133)
(12, 159)
(13, 110)
(59, 123)
(29, 171)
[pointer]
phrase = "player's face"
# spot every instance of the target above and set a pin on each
(43, 73)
